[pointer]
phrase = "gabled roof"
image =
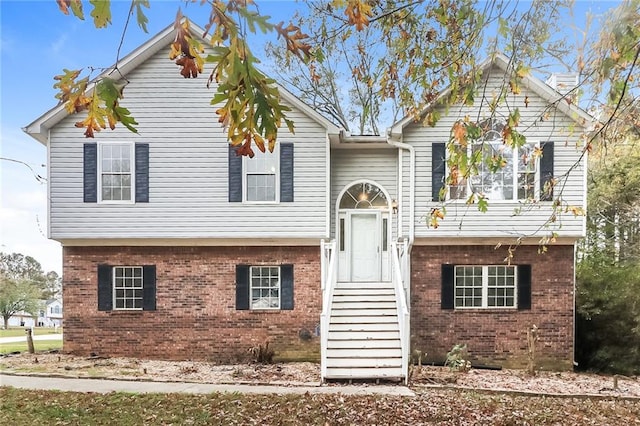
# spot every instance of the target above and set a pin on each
(532, 83)
(39, 128)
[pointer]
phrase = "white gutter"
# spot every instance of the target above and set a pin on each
(412, 185)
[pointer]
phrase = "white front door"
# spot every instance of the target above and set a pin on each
(365, 247)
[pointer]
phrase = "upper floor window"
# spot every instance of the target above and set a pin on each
(116, 171)
(504, 172)
(261, 176)
(266, 178)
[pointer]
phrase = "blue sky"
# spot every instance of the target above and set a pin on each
(36, 43)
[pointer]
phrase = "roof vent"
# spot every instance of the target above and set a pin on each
(563, 83)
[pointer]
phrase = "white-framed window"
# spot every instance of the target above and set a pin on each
(485, 286)
(514, 180)
(264, 290)
(261, 176)
(127, 287)
(116, 162)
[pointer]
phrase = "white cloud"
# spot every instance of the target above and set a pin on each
(23, 203)
(58, 44)
(24, 231)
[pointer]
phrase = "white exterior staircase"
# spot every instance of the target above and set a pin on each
(363, 334)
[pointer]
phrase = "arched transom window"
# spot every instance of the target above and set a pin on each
(363, 195)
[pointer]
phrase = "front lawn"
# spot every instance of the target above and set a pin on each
(442, 407)
(39, 345)
(19, 331)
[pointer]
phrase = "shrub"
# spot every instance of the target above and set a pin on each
(457, 359)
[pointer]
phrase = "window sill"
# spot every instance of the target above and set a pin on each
(117, 202)
(261, 203)
(491, 310)
(504, 202)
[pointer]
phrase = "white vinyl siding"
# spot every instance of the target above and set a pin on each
(188, 171)
(503, 219)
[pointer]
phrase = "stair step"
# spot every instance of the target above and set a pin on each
(369, 319)
(365, 285)
(363, 305)
(373, 312)
(363, 335)
(372, 362)
(363, 298)
(352, 291)
(364, 373)
(367, 353)
(369, 327)
(360, 344)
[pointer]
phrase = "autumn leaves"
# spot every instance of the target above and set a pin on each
(248, 102)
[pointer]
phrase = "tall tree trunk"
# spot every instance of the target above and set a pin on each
(30, 341)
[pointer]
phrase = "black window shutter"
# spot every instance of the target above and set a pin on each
(524, 287)
(242, 287)
(149, 288)
(546, 170)
(105, 288)
(286, 172)
(90, 174)
(286, 287)
(142, 172)
(235, 176)
(438, 160)
(446, 298)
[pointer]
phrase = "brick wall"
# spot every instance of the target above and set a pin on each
(195, 296)
(495, 336)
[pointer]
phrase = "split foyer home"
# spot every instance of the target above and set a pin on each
(174, 247)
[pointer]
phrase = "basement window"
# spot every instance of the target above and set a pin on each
(485, 287)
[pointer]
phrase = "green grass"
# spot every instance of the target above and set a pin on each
(42, 345)
(19, 331)
(442, 407)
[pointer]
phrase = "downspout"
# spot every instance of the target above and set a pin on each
(49, 183)
(412, 184)
(406, 347)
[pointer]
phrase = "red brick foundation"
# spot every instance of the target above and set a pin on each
(495, 336)
(195, 316)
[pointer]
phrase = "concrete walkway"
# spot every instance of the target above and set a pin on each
(20, 339)
(106, 386)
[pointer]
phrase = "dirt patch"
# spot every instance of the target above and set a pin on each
(544, 382)
(165, 371)
(307, 373)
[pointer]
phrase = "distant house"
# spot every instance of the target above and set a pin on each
(176, 248)
(53, 313)
(49, 316)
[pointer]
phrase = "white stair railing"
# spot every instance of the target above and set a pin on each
(328, 283)
(402, 305)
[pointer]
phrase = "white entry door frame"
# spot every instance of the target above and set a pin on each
(363, 232)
